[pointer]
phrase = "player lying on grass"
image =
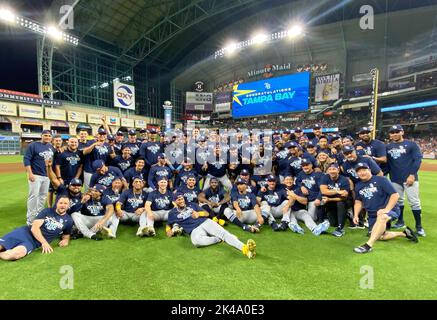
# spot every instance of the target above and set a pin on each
(204, 232)
(378, 196)
(47, 226)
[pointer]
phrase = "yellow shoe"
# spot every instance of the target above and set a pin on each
(215, 219)
(106, 232)
(221, 222)
(249, 249)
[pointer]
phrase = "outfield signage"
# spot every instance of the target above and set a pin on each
(55, 114)
(129, 123)
(28, 98)
(140, 124)
(199, 101)
(30, 111)
(113, 121)
(124, 96)
(94, 118)
(75, 116)
(8, 109)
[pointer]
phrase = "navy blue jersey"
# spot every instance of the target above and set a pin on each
(282, 159)
(311, 182)
(132, 201)
(202, 155)
(183, 217)
(261, 181)
(374, 194)
(375, 148)
(245, 201)
(122, 164)
(107, 178)
(75, 200)
(342, 183)
(69, 163)
(109, 197)
(117, 148)
(132, 172)
(325, 150)
(156, 172)
(87, 159)
(54, 224)
(101, 153)
(35, 156)
(150, 151)
(349, 167)
(295, 165)
(296, 206)
(190, 195)
(181, 178)
(134, 148)
(403, 159)
(273, 197)
(217, 168)
(160, 201)
(249, 189)
(215, 196)
(93, 208)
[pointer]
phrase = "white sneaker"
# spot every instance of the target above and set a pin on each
(140, 232)
(107, 233)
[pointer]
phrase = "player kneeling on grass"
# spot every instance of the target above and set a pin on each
(378, 196)
(158, 205)
(130, 206)
(297, 210)
(246, 209)
(215, 199)
(204, 232)
(96, 215)
(48, 225)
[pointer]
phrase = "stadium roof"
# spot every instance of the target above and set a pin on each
(166, 31)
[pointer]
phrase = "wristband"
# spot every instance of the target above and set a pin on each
(203, 214)
(118, 206)
(167, 228)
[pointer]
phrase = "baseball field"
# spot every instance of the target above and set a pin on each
(287, 266)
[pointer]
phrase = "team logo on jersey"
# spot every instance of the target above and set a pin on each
(282, 154)
(124, 165)
(47, 155)
(136, 202)
(162, 173)
(214, 198)
(190, 196)
(52, 224)
(352, 173)
(134, 149)
(185, 214)
(218, 164)
(369, 191)
(95, 209)
(368, 151)
(272, 198)
(113, 198)
(296, 164)
(244, 202)
(154, 148)
(334, 186)
(162, 202)
(102, 150)
(73, 160)
(107, 180)
(396, 153)
(309, 182)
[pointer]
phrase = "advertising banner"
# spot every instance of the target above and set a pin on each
(124, 96)
(30, 111)
(199, 101)
(8, 109)
(327, 87)
(54, 114)
(129, 123)
(76, 116)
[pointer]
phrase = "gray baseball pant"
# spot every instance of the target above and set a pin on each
(304, 216)
(412, 194)
(276, 212)
(159, 215)
(37, 197)
(85, 223)
(210, 232)
(247, 217)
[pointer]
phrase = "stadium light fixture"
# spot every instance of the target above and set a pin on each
(231, 48)
(7, 15)
(55, 33)
(295, 31)
(259, 38)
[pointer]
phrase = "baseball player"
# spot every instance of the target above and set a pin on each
(138, 170)
(245, 209)
(217, 167)
(130, 205)
(352, 159)
(188, 170)
(160, 170)
(118, 143)
(46, 227)
(203, 231)
(372, 148)
(57, 149)
(317, 131)
(378, 196)
(34, 161)
(158, 205)
(133, 144)
(104, 175)
(123, 161)
(69, 162)
(96, 215)
(335, 190)
(190, 190)
(404, 160)
(215, 200)
(149, 150)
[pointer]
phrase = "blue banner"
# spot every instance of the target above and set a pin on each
(275, 95)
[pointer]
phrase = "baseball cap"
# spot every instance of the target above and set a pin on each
(317, 126)
(305, 162)
(244, 172)
(120, 133)
(75, 182)
(152, 131)
(364, 129)
(177, 195)
(46, 132)
(101, 131)
(98, 164)
(240, 181)
(161, 155)
(99, 187)
(191, 175)
(334, 164)
(349, 138)
(132, 132)
(292, 144)
(143, 130)
(271, 178)
(214, 179)
(348, 149)
(335, 137)
(137, 177)
(395, 128)
(110, 137)
(286, 131)
(298, 129)
(361, 165)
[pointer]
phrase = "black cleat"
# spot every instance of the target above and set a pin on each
(96, 237)
(283, 226)
(275, 227)
(365, 248)
(411, 235)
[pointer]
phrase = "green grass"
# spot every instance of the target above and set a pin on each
(288, 266)
(11, 159)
